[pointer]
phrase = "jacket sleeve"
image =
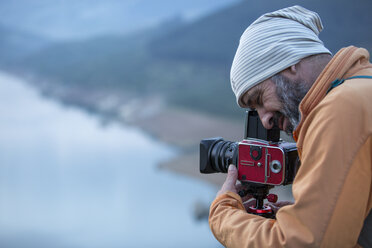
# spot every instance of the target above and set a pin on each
(234, 227)
(331, 190)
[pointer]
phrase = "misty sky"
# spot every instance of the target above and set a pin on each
(69, 19)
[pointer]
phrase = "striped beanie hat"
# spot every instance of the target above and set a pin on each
(272, 43)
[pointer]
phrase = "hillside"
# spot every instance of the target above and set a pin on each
(186, 63)
(15, 45)
(215, 38)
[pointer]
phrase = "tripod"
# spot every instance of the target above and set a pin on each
(260, 192)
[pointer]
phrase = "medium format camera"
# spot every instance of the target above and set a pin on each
(261, 157)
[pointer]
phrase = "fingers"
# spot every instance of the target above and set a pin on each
(273, 207)
(246, 197)
(283, 203)
(276, 206)
(242, 188)
(249, 204)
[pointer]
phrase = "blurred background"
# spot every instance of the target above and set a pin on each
(103, 105)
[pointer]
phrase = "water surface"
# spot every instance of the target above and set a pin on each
(66, 180)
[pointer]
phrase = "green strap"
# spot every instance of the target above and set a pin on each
(337, 82)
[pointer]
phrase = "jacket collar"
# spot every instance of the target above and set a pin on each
(345, 63)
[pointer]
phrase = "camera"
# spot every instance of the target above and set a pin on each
(261, 157)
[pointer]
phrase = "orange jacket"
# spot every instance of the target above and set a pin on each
(332, 189)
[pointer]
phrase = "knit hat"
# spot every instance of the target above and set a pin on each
(272, 43)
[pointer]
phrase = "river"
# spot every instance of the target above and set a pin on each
(67, 180)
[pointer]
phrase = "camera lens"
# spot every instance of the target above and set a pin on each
(222, 155)
(216, 155)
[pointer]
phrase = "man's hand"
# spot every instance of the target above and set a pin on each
(230, 182)
(276, 206)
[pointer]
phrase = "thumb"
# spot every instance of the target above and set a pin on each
(229, 184)
(232, 175)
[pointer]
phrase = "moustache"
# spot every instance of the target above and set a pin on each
(276, 118)
(280, 116)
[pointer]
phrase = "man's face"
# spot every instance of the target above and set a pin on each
(276, 101)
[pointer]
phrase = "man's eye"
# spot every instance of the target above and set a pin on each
(259, 100)
(251, 105)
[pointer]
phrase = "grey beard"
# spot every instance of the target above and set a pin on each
(290, 93)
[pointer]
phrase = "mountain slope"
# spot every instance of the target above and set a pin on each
(187, 64)
(16, 44)
(216, 37)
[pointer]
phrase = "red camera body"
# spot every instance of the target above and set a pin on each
(265, 162)
(262, 158)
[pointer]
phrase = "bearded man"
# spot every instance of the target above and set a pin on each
(282, 69)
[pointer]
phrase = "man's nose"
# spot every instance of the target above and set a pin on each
(267, 118)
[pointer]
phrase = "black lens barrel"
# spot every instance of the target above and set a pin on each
(216, 155)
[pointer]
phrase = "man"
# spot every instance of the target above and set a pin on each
(283, 70)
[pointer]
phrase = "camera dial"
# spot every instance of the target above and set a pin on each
(275, 166)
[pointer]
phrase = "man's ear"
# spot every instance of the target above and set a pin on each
(293, 69)
(291, 72)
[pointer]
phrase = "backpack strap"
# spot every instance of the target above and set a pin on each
(338, 82)
(365, 237)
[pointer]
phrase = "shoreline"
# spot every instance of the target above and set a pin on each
(178, 127)
(184, 129)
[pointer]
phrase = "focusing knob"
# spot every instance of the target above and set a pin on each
(272, 198)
